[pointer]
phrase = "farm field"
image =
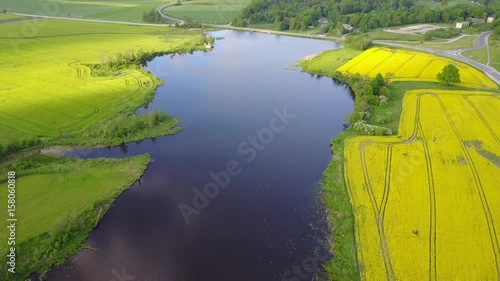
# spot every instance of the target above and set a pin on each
(120, 10)
(495, 53)
(46, 89)
(211, 11)
(402, 65)
(426, 202)
(327, 62)
(58, 201)
(441, 44)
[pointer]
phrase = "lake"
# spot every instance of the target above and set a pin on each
(234, 196)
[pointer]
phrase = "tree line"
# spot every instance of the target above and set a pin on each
(362, 14)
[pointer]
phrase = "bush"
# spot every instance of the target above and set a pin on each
(443, 33)
(152, 16)
(358, 42)
(449, 75)
(374, 130)
(384, 91)
(380, 119)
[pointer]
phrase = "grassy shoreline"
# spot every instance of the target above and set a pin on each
(49, 232)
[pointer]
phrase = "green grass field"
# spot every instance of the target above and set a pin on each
(121, 10)
(481, 55)
(436, 5)
(440, 44)
(210, 11)
(57, 203)
(495, 54)
(46, 91)
(327, 62)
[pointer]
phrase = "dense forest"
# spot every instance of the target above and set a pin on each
(361, 14)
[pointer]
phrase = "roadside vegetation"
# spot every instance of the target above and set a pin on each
(355, 239)
(58, 202)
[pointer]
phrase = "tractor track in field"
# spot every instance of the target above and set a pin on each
(24, 120)
(432, 208)
(488, 127)
(379, 64)
(403, 64)
(379, 212)
(424, 68)
(479, 188)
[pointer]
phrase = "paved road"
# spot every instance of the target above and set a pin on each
(492, 73)
(167, 17)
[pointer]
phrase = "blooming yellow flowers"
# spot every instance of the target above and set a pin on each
(400, 65)
(427, 202)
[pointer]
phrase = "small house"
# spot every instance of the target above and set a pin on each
(490, 19)
(477, 21)
(323, 20)
(347, 27)
(462, 24)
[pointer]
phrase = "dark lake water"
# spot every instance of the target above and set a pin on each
(266, 219)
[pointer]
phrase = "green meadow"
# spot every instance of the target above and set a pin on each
(58, 201)
(209, 11)
(50, 89)
(120, 10)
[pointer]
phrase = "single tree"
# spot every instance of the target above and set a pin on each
(449, 75)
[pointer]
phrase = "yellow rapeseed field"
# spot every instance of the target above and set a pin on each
(401, 65)
(427, 202)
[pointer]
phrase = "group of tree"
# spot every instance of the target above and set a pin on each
(442, 33)
(358, 42)
(362, 14)
(152, 16)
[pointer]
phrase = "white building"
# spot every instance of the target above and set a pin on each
(490, 19)
(462, 24)
(347, 27)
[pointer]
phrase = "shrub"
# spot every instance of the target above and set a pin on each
(384, 91)
(374, 130)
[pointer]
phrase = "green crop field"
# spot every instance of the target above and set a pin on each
(58, 201)
(47, 91)
(122, 10)
(436, 5)
(481, 55)
(210, 11)
(495, 54)
(442, 44)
